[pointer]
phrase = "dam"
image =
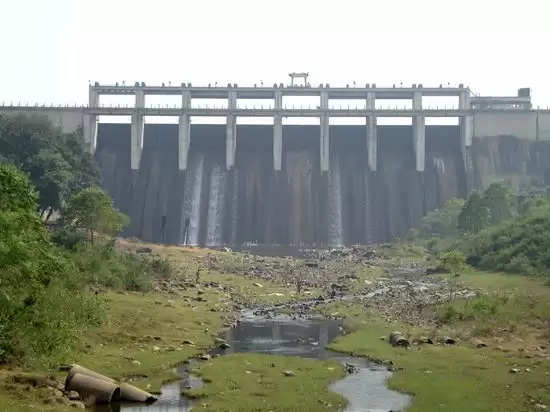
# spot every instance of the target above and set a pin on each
(301, 185)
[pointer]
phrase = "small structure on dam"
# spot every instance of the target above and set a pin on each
(301, 184)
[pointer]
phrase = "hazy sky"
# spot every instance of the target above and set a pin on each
(52, 48)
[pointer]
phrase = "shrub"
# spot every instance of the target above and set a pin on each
(37, 282)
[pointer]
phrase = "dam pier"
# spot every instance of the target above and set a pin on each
(366, 97)
(323, 183)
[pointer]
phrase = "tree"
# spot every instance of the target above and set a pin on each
(56, 162)
(442, 222)
(92, 210)
(474, 215)
(36, 280)
(28, 261)
(455, 262)
(499, 202)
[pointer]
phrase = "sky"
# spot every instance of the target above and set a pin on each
(52, 49)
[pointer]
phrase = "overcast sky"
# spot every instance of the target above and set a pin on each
(52, 48)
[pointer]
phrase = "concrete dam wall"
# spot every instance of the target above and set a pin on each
(299, 205)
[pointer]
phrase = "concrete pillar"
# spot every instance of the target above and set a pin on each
(184, 130)
(231, 131)
(464, 101)
(137, 131)
(466, 122)
(419, 142)
(371, 101)
(278, 132)
(419, 132)
(466, 130)
(90, 123)
(417, 101)
(324, 135)
(186, 99)
(372, 143)
(184, 140)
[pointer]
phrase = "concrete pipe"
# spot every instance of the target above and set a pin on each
(84, 371)
(93, 390)
(132, 394)
(397, 339)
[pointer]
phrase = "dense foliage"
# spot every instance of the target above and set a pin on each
(41, 309)
(55, 162)
(495, 229)
(517, 245)
(92, 210)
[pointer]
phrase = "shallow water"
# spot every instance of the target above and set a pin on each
(365, 390)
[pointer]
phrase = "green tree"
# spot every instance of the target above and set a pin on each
(442, 222)
(474, 216)
(32, 276)
(56, 162)
(92, 210)
(455, 262)
(500, 202)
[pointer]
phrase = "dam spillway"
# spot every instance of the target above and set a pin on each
(299, 205)
(324, 185)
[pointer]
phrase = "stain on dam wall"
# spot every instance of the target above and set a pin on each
(208, 205)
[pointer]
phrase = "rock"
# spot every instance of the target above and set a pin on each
(136, 362)
(480, 344)
(397, 339)
(424, 339)
(73, 396)
(205, 356)
(540, 406)
(259, 285)
(58, 393)
(350, 368)
(144, 250)
(77, 405)
(188, 342)
(219, 340)
(514, 370)
(289, 373)
(448, 340)
(224, 345)
(156, 349)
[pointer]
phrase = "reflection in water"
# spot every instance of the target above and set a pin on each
(364, 390)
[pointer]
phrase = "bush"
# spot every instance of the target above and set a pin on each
(102, 265)
(41, 311)
(479, 308)
(521, 245)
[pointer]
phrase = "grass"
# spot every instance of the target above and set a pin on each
(514, 315)
(144, 336)
(255, 382)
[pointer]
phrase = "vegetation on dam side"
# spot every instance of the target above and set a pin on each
(72, 293)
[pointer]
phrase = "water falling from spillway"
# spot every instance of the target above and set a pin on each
(192, 199)
(335, 228)
(216, 206)
(299, 205)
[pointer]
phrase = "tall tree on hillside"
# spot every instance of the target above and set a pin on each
(56, 162)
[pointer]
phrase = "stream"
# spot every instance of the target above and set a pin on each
(365, 389)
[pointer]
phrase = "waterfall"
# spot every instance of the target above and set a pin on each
(192, 199)
(439, 165)
(216, 206)
(335, 228)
